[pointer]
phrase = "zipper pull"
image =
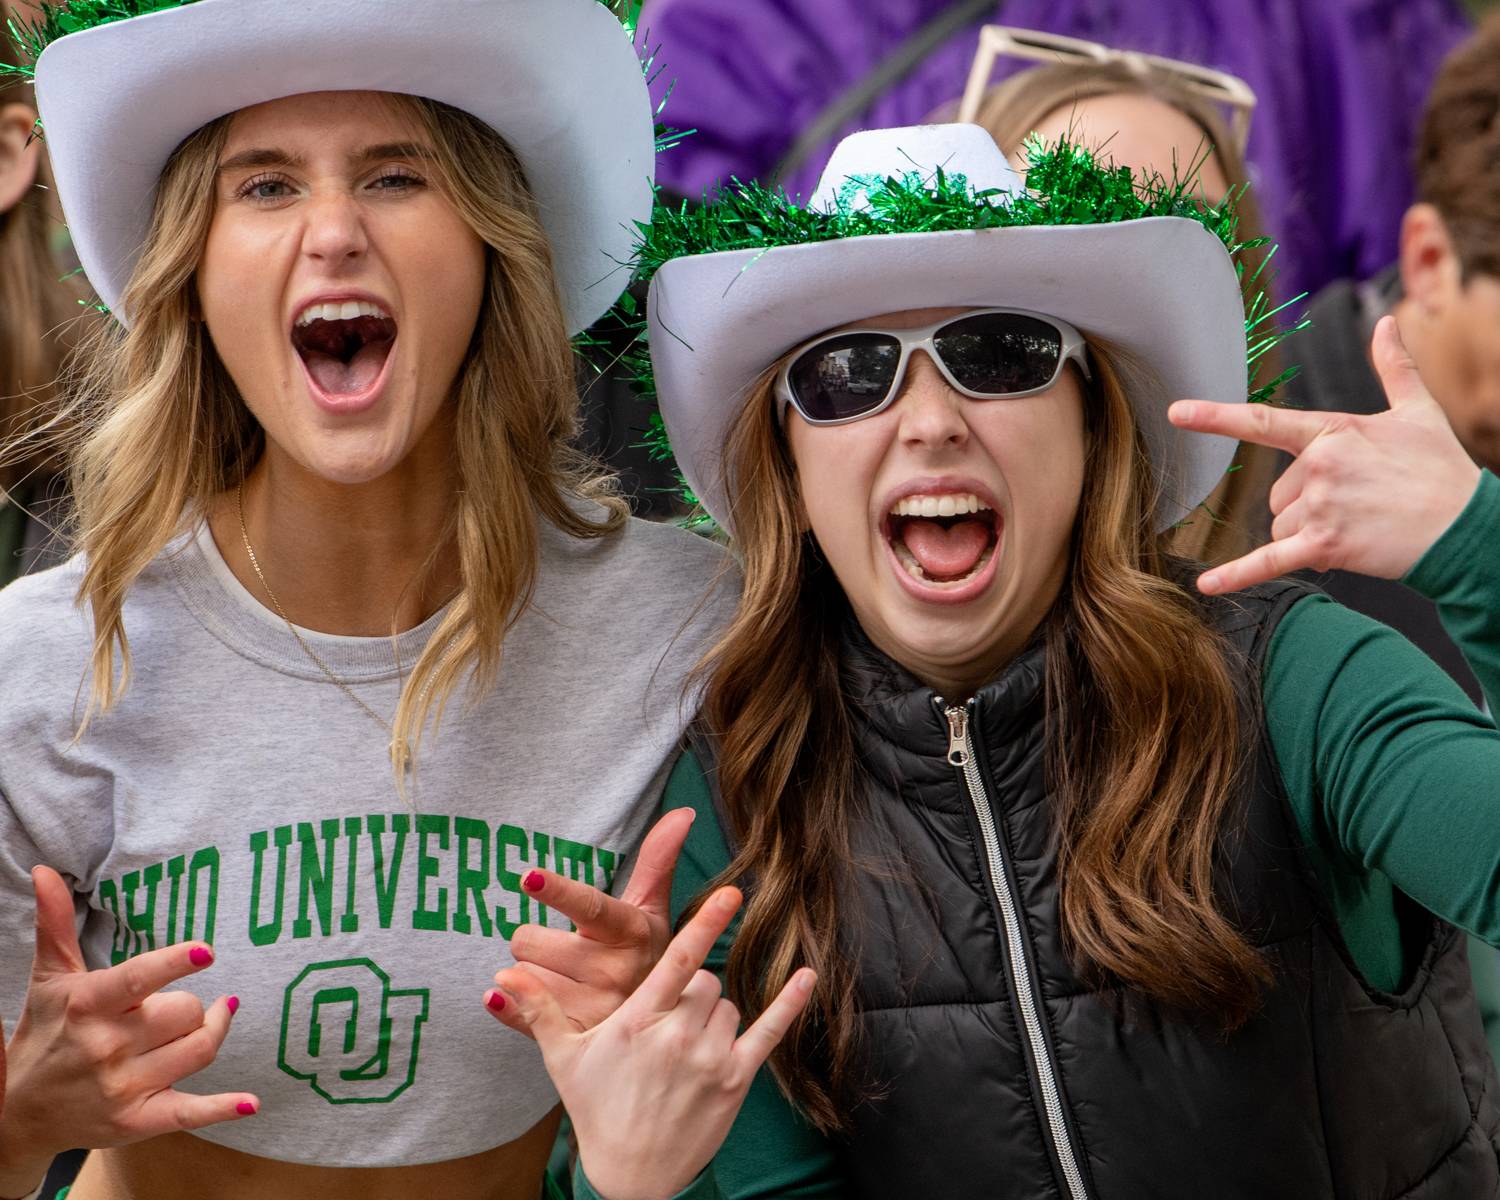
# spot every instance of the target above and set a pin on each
(958, 736)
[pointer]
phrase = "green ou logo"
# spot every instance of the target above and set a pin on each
(351, 1035)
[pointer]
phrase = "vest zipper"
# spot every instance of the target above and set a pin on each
(961, 755)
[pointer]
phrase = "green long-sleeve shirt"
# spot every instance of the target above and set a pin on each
(1391, 773)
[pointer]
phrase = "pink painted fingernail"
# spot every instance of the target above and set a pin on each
(234, 1005)
(200, 956)
(495, 1002)
(534, 881)
(245, 1108)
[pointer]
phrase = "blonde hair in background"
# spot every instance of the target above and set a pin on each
(39, 312)
(1236, 516)
(163, 430)
(1144, 728)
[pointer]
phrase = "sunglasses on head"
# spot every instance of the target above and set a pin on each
(987, 354)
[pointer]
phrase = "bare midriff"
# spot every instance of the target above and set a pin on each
(180, 1166)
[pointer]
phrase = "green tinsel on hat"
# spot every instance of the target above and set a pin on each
(1066, 184)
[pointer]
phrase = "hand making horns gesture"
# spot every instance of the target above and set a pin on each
(672, 1052)
(593, 969)
(96, 1054)
(1366, 493)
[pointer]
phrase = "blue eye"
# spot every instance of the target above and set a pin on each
(265, 187)
(395, 181)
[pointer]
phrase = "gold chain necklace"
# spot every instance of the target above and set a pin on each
(400, 748)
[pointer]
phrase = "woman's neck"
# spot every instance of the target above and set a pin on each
(344, 559)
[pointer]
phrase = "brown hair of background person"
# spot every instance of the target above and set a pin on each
(1450, 244)
(1237, 517)
(38, 315)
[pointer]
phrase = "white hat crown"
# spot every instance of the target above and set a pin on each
(867, 158)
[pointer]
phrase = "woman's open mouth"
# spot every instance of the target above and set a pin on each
(943, 545)
(345, 348)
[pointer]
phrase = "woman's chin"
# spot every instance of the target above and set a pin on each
(349, 458)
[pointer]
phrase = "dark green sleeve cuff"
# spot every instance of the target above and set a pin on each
(1465, 561)
(702, 1188)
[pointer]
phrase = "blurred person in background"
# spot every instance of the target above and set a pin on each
(1444, 290)
(38, 311)
(770, 85)
(1145, 120)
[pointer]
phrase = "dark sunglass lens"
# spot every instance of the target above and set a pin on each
(846, 376)
(998, 354)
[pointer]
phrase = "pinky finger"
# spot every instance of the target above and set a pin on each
(757, 1042)
(171, 1111)
(1268, 562)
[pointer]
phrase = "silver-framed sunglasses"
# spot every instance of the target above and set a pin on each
(985, 354)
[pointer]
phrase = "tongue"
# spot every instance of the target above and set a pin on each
(946, 553)
(339, 378)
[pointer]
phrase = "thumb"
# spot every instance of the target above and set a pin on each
(57, 949)
(1397, 369)
(536, 1008)
(650, 888)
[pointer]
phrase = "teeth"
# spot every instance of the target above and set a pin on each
(348, 310)
(950, 504)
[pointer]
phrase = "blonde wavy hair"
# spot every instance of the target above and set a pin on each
(162, 430)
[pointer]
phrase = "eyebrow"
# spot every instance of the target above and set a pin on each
(269, 157)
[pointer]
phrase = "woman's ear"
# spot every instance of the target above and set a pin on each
(1431, 273)
(20, 154)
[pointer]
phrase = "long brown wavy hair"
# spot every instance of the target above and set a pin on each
(1144, 737)
(163, 431)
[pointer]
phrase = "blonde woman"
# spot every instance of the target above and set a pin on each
(324, 492)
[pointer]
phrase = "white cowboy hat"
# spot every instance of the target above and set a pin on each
(1162, 288)
(558, 79)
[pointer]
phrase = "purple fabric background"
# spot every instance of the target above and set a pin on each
(1341, 86)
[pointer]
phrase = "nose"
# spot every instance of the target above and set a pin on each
(335, 231)
(930, 412)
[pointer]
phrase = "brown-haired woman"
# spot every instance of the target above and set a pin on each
(1115, 883)
(324, 486)
(38, 315)
(1145, 120)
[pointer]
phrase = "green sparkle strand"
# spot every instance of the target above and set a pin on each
(54, 21)
(1066, 184)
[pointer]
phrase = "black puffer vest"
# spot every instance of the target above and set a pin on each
(1006, 1077)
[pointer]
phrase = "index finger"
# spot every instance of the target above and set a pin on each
(1286, 429)
(120, 988)
(686, 953)
(597, 915)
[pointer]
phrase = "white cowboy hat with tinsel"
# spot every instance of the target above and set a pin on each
(934, 216)
(121, 83)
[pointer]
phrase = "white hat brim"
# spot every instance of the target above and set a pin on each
(1162, 288)
(558, 79)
